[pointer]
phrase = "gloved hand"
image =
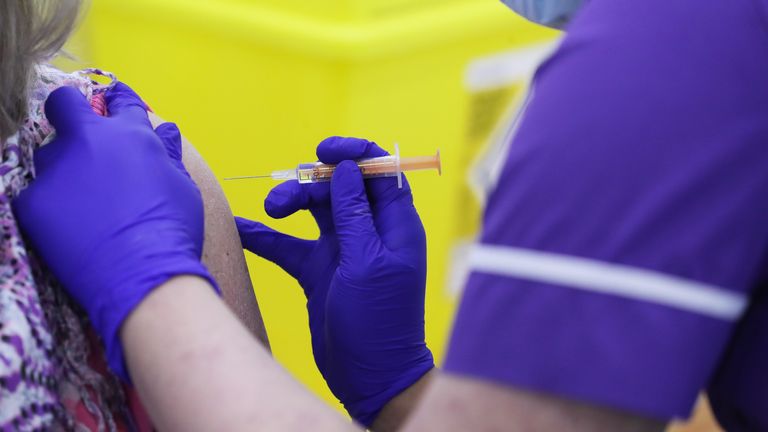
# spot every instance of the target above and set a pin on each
(110, 213)
(364, 278)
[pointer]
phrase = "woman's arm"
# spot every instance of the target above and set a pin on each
(203, 375)
(222, 252)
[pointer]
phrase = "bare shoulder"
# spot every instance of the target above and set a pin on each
(222, 251)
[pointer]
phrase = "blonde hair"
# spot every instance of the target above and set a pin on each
(31, 32)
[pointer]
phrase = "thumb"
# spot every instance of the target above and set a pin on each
(66, 108)
(171, 136)
(352, 214)
(124, 103)
(289, 252)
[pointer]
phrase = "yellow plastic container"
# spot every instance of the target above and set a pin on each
(256, 84)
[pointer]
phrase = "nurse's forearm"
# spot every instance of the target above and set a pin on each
(198, 369)
(456, 403)
(396, 411)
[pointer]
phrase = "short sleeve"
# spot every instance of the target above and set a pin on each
(627, 232)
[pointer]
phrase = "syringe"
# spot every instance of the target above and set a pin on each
(383, 166)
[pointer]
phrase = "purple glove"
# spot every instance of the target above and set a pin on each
(364, 278)
(110, 213)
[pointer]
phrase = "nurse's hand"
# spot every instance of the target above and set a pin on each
(364, 277)
(112, 212)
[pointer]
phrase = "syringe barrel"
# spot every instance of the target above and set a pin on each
(416, 163)
(384, 166)
(314, 172)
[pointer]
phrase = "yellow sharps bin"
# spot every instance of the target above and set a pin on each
(256, 84)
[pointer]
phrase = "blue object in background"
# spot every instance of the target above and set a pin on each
(551, 13)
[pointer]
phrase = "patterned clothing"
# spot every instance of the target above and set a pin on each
(52, 370)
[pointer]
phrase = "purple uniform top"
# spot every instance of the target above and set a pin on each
(623, 256)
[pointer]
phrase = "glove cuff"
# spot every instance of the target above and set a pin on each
(109, 319)
(366, 411)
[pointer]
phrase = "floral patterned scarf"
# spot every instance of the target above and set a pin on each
(52, 370)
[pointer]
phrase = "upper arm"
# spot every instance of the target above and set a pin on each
(222, 250)
(627, 232)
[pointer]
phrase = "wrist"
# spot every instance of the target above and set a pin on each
(366, 410)
(393, 415)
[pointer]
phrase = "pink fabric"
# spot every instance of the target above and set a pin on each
(99, 104)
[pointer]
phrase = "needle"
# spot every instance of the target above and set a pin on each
(246, 177)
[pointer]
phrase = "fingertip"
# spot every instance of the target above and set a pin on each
(335, 149)
(66, 107)
(65, 97)
(284, 250)
(243, 224)
(171, 136)
(168, 129)
(122, 90)
(283, 200)
(246, 227)
(250, 232)
(123, 102)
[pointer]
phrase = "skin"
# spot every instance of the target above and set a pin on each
(222, 251)
(703, 420)
(212, 374)
(454, 403)
(394, 414)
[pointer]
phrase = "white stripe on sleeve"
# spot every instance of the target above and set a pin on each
(607, 278)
